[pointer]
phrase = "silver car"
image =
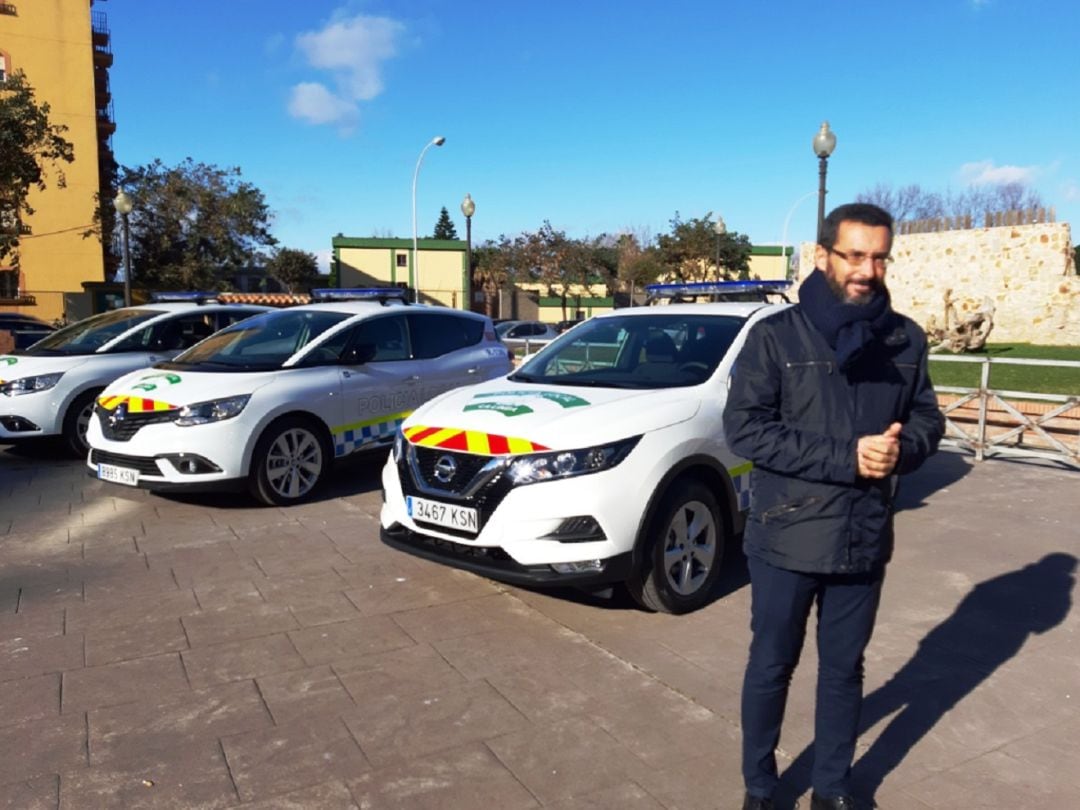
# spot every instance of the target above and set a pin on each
(526, 337)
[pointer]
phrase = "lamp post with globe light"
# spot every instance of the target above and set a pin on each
(719, 228)
(468, 208)
(123, 205)
(438, 140)
(824, 143)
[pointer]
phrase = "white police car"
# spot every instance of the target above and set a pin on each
(602, 459)
(49, 388)
(270, 402)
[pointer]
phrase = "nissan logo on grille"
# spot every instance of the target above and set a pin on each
(445, 469)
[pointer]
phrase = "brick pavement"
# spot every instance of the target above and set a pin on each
(205, 652)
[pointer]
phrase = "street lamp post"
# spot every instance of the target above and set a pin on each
(468, 208)
(438, 140)
(719, 228)
(824, 143)
(123, 205)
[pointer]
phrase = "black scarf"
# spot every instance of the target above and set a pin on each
(850, 329)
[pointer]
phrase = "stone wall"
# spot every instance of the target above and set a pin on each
(1027, 271)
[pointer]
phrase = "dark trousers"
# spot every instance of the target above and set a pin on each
(780, 605)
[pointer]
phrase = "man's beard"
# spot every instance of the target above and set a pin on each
(841, 293)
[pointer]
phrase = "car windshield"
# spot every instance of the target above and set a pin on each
(89, 335)
(639, 351)
(261, 343)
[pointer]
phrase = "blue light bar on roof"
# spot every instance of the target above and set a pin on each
(177, 297)
(359, 294)
(715, 288)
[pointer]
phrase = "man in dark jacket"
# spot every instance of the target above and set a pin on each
(831, 400)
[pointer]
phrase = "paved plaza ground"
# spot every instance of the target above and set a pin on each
(172, 652)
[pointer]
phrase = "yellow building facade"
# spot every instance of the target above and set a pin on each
(438, 271)
(63, 49)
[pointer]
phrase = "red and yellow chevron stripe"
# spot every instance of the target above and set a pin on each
(470, 441)
(135, 404)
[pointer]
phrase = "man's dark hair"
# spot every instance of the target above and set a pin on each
(863, 213)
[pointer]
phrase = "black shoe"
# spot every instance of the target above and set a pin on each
(832, 803)
(756, 803)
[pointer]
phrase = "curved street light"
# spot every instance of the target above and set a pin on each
(123, 204)
(468, 208)
(438, 140)
(783, 238)
(824, 143)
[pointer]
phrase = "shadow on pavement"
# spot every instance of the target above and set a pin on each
(941, 470)
(988, 627)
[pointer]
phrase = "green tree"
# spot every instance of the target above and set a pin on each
(28, 145)
(496, 266)
(638, 264)
(295, 269)
(193, 223)
(444, 228)
(690, 251)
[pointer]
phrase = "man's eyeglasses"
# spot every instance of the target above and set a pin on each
(856, 258)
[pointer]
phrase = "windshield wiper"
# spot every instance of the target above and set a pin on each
(518, 376)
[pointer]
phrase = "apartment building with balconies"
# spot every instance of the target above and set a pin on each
(64, 49)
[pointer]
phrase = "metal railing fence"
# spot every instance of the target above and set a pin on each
(1016, 423)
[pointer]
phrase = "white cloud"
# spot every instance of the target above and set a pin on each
(984, 172)
(353, 50)
(1071, 191)
(314, 103)
(324, 257)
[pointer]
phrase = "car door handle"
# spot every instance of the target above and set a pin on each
(414, 378)
(472, 370)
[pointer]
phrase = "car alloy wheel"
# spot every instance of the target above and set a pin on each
(683, 552)
(289, 462)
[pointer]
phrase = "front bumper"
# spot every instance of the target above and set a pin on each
(149, 452)
(494, 563)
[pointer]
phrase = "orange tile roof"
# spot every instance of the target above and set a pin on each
(269, 299)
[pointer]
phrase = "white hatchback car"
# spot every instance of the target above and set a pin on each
(49, 388)
(269, 403)
(602, 459)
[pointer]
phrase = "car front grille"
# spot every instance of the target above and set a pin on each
(145, 466)
(120, 430)
(479, 481)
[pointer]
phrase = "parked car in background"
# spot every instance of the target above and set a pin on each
(268, 404)
(25, 330)
(49, 388)
(525, 336)
(601, 460)
(562, 326)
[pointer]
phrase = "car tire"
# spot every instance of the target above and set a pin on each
(289, 462)
(76, 421)
(682, 550)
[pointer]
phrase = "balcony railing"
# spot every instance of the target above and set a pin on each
(9, 8)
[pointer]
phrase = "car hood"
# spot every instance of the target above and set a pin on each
(15, 367)
(161, 389)
(524, 417)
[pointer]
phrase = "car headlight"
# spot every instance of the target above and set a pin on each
(30, 385)
(399, 446)
(568, 463)
(214, 410)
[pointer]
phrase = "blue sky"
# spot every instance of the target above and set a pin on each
(598, 116)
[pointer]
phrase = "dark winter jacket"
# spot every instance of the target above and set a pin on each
(798, 419)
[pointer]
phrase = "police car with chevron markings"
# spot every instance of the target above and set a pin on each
(271, 402)
(600, 460)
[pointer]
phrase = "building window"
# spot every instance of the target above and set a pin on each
(3, 67)
(9, 284)
(403, 260)
(8, 8)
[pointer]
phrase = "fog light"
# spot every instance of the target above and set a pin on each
(189, 464)
(582, 567)
(580, 529)
(17, 424)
